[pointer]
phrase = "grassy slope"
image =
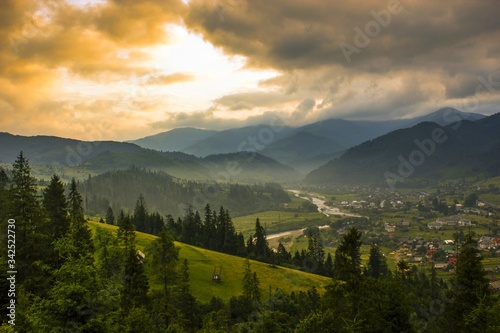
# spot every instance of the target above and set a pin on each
(202, 263)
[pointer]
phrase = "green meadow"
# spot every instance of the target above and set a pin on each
(202, 263)
(278, 221)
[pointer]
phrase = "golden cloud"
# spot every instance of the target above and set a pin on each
(170, 79)
(43, 37)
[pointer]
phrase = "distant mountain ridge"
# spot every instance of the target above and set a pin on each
(425, 151)
(445, 116)
(327, 138)
(59, 154)
(177, 139)
(252, 138)
(263, 152)
(54, 150)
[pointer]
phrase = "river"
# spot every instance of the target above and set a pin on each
(323, 208)
(320, 201)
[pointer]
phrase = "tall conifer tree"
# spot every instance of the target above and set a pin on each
(56, 208)
(79, 230)
(25, 209)
(135, 282)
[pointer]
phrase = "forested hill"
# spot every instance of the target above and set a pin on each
(249, 167)
(168, 195)
(425, 151)
(72, 157)
(54, 150)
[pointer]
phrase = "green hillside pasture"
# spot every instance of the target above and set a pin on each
(491, 198)
(490, 181)
(202, 263)
(279, 221)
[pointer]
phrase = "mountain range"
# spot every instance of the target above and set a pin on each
(332, 151)
(304, 148)
(425, 152)
(68, 156)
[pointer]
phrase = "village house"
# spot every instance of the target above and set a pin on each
(449, 221)
(403, 225)
(390, 228)
(434, 225)
(418, 259)
(486, 242)
(440, 265)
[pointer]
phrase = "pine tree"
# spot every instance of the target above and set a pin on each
(470, 287)
(121, 217)
(209, 228)
(471, 275)
(250, 247)
(140, 214)
(347, 264)
(220, 227)
(33, 245)
(79, 230)
(73, 299)
(109, 260)
(110, 216)
(261, 246)
(184, 301)
(377, 264)
(297, 259)
(315, 251)
(198, 237)
(156, 224)
(329, 266)
(283, 255)
(175, 228)
(230, 239)
(4, 202)
(135, 283)
(4, 198)
(164, 259)
(251, 285)
(191, 227)
(56, 208)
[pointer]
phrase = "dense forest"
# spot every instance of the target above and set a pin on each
(215, 230)
(68, 280)
(169, 195)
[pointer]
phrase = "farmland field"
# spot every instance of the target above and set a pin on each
(279, 221)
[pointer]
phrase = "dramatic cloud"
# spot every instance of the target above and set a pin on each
(436, 50)
(127, 68)
(100, 43)
(291, 34)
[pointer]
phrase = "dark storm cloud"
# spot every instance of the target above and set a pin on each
(302, 34)
(361, 58)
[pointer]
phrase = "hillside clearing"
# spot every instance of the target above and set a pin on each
(202, 263)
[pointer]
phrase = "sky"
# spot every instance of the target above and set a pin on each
(125, 69)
